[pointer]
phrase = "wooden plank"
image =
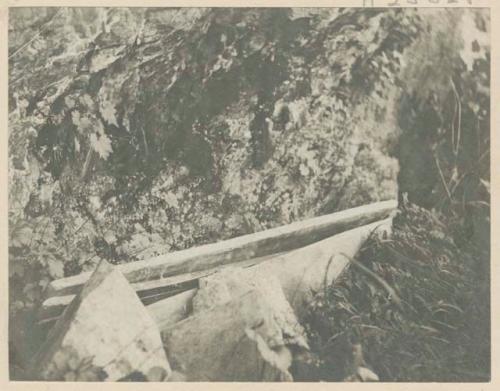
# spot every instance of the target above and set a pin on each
(187, 281)
(148, 291)
(301, 273)
(280, 239)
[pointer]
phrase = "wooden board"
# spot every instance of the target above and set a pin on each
(276, 240)
(300, 273)
(148, 291)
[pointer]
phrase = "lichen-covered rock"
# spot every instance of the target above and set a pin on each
(194, 125)
(226, 285)
(104, 334)
(240, 330)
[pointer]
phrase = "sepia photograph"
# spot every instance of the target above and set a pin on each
(226, 194)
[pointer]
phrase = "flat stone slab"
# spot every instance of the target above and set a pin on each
(106, 333)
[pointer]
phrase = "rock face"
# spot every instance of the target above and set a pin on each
(104, 334)
(240, 330)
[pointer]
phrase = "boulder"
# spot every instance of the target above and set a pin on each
(240, 330)
(105, 333)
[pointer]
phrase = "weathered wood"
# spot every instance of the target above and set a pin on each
(104, 334)
(310, 269)
(280, 239)
(148, 291)
(189, 280)
(301, 272)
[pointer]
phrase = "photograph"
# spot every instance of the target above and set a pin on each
(248, 194)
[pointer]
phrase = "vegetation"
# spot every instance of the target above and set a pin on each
(411, 308)
(416, 307)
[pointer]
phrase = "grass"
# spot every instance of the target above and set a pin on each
(414, 307)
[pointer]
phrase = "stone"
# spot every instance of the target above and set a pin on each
(238, 331)
(105, 330)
